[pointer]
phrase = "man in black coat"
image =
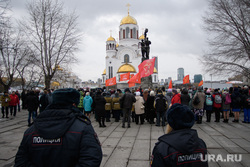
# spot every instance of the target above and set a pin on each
(32, 102)
(126, 102)
(60, 136)
(180, 146)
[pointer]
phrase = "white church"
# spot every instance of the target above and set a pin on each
(124, 56)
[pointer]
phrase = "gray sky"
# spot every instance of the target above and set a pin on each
(175, 30)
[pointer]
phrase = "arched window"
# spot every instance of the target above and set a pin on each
(127, 32)
(126, 58)
(134, 33)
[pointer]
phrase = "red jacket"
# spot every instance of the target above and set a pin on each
(176, 99)
(215, 105)
(14, 100)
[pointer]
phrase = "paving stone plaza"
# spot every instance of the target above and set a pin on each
(132, 147)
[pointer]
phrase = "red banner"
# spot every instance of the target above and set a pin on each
(135, 79)
(201, 83)
(170, 84)
(111, 81)
(186, 79)
(146, 68)
(125, 77)
(131, 85)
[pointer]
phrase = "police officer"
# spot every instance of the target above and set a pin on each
(180, 146)
(60, 136)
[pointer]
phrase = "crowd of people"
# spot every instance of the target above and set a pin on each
(139, 105)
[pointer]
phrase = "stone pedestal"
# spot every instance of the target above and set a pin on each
(146, 82)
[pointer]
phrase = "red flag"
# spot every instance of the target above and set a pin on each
(111, 81)
(131, 85)
(135, 79)
(146, 68)
(186, 79)
(125, 77)
(201, 83)
(170, 84)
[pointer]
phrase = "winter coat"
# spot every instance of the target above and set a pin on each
(171, 151)
(160, 103)
(32, 102)
(87, 102)
(236, 104)
(202, 99)
(127, 100)
(225, 106)
(176, 99)
(216, 105)
(99, 105)
(139, 105)
(14, 100)
(80, 105)
(245, 96)
(60, 136)
(185, 99)
(108, 103)
(116, 103)
(5, 99)
(44, 102)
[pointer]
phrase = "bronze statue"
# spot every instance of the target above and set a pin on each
(145, 46)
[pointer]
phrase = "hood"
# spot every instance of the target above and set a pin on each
(185, 140)
(87, 97)
(54, 123)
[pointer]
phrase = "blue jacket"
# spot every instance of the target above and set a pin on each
(87, 102)
(60, 137)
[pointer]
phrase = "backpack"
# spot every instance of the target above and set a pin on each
(209, 101)
(217, 99)
(228, 99)
(196, 100)
(238, 100)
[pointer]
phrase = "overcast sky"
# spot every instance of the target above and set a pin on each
(175, 30)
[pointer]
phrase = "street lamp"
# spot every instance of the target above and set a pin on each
(211, 80)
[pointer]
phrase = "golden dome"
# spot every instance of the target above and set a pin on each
(55, 83)
(141, 37)
(128, 20)
(111, 39)
(126, 68)
(58, 68)
(104, 72)
(155, 70)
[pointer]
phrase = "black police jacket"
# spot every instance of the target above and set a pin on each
(61, 136)
(179, 148)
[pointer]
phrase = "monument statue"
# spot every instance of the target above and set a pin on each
(145, 48)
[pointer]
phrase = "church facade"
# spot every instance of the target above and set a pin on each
(124, 56)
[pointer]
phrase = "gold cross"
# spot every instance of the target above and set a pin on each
(128, 5)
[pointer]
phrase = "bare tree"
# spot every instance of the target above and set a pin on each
(13, 55)
(228, 24)
(53, 35)
(4, 5)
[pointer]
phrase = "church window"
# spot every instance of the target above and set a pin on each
(134, 33)
(155, 78)
(131, 33)
(123, 34)
(110, 72)
(127, 32)
(126, 58)
(137, 34)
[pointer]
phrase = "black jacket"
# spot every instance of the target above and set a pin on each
(32, 102)
(61, 136)
(98, 105)
(127, 100)
(185, 98)
(179, 148)
(160, 103)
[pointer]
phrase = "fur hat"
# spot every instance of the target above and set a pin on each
(66, 96)
(137, 93)
(174, 91)
(180, 117)
(127, 90)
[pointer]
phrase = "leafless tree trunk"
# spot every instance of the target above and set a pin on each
(52, 34)
(228, 24)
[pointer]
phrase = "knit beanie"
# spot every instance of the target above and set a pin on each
(180, 117)
(66, 96)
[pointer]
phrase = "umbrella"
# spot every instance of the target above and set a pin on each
(234, 82)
